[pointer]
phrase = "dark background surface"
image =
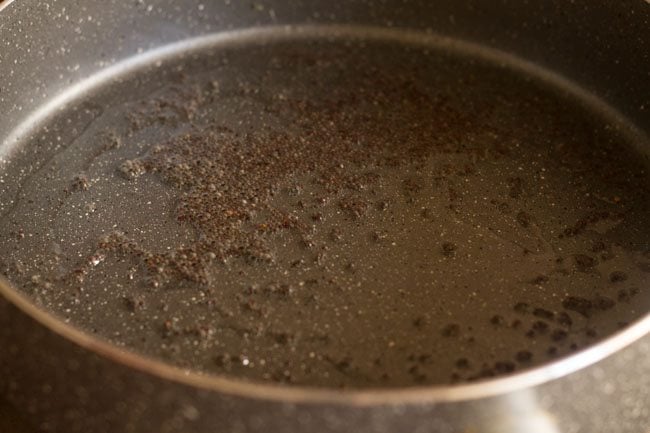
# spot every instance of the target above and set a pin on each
(10, 420)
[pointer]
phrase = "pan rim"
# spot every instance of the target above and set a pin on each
(5, 3)
(302, 394)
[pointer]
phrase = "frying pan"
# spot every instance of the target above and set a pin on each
(502, 148)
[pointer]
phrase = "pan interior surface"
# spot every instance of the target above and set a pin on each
(332, 210)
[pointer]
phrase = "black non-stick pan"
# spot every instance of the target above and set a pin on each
(288, 216)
